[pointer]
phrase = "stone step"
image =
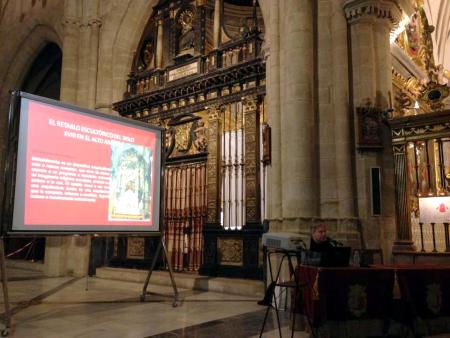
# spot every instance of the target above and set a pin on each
(243, 287)
(186, 280)
(25, 265)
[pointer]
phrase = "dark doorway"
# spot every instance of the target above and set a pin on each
(44, 76)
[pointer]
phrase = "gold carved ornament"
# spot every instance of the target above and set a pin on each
(200, 136)
(214, 112)
(406, 93)
(135, 248)
(169, 140)
(436, 88)
(230, 251)
(183, 137)
(213, 134)
(414, 39)
(186, 19)
(431, 91)
(250, 103)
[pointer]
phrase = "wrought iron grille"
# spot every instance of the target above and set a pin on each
(185, 214)
(232, 167)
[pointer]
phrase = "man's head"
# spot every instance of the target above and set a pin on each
(319, 232)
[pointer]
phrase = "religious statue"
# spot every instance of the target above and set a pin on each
(370, 133)
(201, 141)
(148, 55)
(438, 75)
(369, 127)
(186, 38)
(413, 34)
(169, 140)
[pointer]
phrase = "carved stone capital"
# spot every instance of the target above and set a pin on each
(250, 103)
(90, 23)
(95, 23)
(355, 10)
(70, 22)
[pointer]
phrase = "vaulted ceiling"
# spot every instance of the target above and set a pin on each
(438, 14)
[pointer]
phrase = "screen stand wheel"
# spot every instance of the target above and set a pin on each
(161, 245)
(5, 331)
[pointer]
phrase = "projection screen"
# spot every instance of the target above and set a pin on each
(84, 171)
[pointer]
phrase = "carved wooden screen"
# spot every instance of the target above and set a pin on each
(185, 214)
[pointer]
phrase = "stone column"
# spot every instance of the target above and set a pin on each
(272, 53)
(56, 247)
(337, 199)
(159, 43)
(327, 115)
(94, 25)
(298, 121)
(69, 255)
(217, 23)
(84, 51)
(370, 24)
(251, 149)
(69, 69)
(79, 246)
(403, 240)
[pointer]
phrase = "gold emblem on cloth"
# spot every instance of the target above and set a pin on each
(357, 300)
(434, 297)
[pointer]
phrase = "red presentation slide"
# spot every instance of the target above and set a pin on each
(85, 170)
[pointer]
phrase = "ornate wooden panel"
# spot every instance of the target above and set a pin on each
(230, 251)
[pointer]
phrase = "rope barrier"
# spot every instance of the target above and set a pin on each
(20, 250)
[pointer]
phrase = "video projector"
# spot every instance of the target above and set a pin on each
(283, 241)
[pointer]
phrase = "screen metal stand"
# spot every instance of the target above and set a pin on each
(88, 262)
(161, 245)
(7, 316)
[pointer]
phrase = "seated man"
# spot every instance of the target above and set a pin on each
(319, 240)
(324, 251)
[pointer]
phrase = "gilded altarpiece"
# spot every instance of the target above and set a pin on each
(421, 86)
(419, 134)
(422, 157)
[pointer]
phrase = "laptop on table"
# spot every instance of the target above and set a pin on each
(338, 256)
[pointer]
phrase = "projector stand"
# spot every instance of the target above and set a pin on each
(161, 245)
(5, 331)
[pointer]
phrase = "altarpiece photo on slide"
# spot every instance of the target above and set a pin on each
(130, 195)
